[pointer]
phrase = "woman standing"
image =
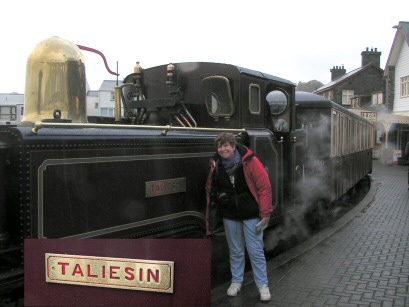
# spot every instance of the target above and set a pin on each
(239, 191)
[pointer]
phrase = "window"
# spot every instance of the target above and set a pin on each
(96, 105)
(330, 95)
(356, 102)
(346, 97)
(335, 131)
(218, 97)
(377, 98)
(112, 96)
(8, 112)
(109, 112)
(277, 101)
(360, 129)
(254, 99)
(356, 139)
(351, 128)
(344, 135)
(404, 86)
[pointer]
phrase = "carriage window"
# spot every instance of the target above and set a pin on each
(335, 131)
(277, 101)
(254, 99)
(218, 96)
(344, 133)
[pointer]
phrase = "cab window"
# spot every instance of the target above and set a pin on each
(277, 101)
(218, 96)
(254, 99)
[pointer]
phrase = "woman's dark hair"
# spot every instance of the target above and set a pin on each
(225, 137)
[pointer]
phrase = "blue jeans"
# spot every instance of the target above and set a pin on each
(241, 235)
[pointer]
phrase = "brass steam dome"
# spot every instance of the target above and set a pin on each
(55, 81)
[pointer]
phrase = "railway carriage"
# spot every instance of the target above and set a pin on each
(336, 153)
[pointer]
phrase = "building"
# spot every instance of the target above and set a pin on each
(93, 103)
(381, 96)
(397, 72)
(397, 84)
(11, 106)
(358, 87)
(361, 90)
(106, 98)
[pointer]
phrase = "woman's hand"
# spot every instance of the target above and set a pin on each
(263, 224)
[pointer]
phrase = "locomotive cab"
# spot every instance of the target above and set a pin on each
(206, 95)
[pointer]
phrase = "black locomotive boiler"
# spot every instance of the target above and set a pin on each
(141, 174)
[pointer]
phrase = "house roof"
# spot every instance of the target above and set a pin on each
(109, 85)
(345, 77)
(92, 93)
(11, 98)
(401, 36)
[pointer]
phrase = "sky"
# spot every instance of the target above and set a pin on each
(297, 40)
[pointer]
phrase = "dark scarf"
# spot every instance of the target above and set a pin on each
(231, 164)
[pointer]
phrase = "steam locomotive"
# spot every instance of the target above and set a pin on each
(141, 174)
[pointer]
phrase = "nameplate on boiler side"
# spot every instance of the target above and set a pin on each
(165, 187)
(122, 273)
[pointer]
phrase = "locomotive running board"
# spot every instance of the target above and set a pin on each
(165, 129)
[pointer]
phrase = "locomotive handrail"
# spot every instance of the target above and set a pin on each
(165, 129)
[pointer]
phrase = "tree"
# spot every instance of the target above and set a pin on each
(309, 86)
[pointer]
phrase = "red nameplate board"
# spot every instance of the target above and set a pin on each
(117, 272)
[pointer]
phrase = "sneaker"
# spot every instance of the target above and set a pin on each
(233, 289)
(264, 293)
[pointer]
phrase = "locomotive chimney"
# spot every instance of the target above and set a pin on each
(371, 56)
(337, 72)
(55, 80)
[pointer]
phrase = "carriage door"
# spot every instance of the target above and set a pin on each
(345, 157)
(338, 150)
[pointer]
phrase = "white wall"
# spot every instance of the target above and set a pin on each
(92, 106)
(401, 105)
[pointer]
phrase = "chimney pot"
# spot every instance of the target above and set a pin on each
(337, 71)
(372, 56)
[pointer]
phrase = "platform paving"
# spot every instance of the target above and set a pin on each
(361, 260)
